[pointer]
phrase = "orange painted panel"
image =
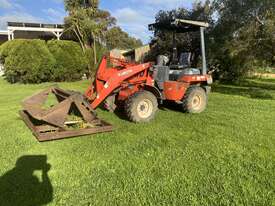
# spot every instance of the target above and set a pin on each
(174, 90)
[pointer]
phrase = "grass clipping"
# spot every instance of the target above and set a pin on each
(74, 122)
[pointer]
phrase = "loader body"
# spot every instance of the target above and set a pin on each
(124, 79)
(128, 78)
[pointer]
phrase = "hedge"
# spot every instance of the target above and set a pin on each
(71, 63)
(27, 61)
(35, 61)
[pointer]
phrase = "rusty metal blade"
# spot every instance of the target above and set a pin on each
(49, 123)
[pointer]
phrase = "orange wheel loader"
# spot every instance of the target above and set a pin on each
(138, 88)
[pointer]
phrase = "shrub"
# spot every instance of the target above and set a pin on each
(71, 63)
(7, 47)
(34, 61)
(27, 61)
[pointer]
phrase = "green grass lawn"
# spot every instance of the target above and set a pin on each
(224, 156)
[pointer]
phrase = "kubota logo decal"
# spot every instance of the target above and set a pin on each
(125, 73)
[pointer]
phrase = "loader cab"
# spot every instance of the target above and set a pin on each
(178, 64)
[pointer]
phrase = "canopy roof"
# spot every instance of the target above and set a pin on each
(179, 25)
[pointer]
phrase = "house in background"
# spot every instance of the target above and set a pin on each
(3, 36)
(21, 30)
(1, 70)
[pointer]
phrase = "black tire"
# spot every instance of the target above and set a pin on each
(141, 107)
(195, 100)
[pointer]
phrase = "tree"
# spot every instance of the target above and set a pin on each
(88, 23)
(189, 42)
(116, 38)
(242, 36)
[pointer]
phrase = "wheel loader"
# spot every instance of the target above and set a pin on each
(137, 87)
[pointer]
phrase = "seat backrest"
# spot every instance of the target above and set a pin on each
(185, 59)
(161, 75)
(162, 60)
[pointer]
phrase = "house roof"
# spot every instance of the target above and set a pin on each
(35, 25)
(3, 32)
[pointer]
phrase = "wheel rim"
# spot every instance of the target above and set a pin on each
(196, 102)
(145, 108)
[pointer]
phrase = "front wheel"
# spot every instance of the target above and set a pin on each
(141, 107)
(195, 100)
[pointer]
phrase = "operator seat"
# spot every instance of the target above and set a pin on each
(161, 71)
(162, 60)
(183, 68)
(185, 59)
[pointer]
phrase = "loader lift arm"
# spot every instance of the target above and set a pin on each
(109, 80)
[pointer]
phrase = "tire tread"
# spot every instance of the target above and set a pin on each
(129, 110)
(185, 101)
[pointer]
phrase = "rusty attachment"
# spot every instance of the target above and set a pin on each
(71, 115)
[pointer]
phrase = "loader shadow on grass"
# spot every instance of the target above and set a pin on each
(121, 114)
(246, 91)
(170, 105)
(261, 83)
(21, 186)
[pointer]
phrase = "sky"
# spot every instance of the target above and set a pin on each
(132, 15)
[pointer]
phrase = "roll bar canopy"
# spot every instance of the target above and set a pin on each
(179, 25)
(184, 26)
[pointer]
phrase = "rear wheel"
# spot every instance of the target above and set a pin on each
(141, 107)
(195, 100)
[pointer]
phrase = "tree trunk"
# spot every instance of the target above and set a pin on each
(95, 55)
(80, 40)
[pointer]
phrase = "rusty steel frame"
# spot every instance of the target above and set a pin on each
(55, 135)
(50, 124)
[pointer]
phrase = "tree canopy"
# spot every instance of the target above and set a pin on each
(87, 21)
(92, 25)
(240, 38)
(163, 40)
(116, 38)
(94, 28)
